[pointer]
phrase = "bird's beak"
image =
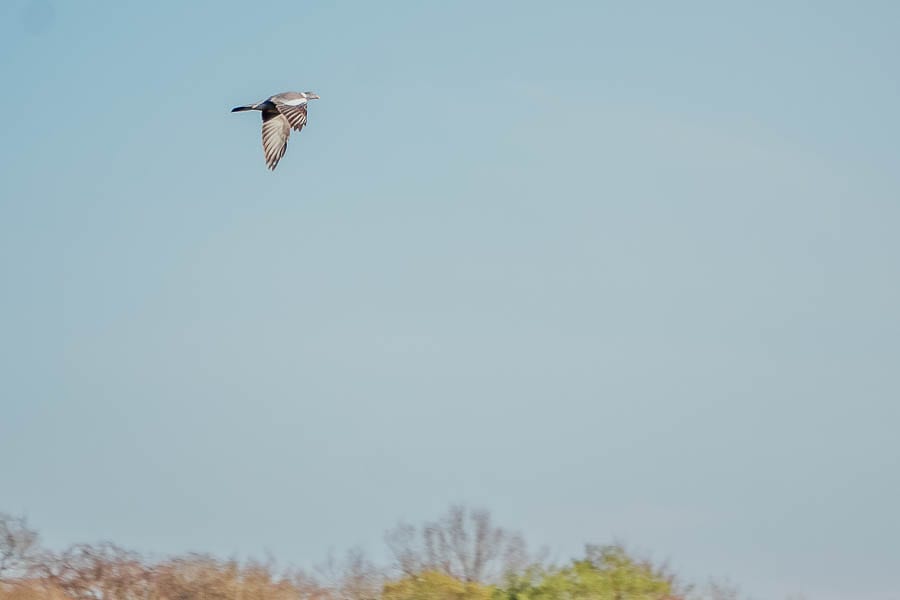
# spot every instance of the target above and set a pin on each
(312, 97)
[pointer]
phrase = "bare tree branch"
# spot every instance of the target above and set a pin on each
(18, 547)
(463, 543)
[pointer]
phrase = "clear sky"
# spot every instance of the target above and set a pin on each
(612, 270)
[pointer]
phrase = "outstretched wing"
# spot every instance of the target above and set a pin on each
(296, 114)
(275, 133)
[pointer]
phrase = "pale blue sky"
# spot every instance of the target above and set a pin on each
(611, 270)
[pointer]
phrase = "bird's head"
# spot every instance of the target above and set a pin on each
(310, 95)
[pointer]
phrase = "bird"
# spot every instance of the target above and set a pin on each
(280, 113)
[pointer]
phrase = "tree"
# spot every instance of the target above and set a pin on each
(431, 585)
(102, 571)
(18, 547)
(463, 544)
(203, 577)
(353, 578)
(196, 577)
(605, 573)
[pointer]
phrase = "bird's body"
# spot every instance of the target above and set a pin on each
(280, 113)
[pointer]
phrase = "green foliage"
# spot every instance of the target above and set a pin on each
(431, 585)
(606, 573)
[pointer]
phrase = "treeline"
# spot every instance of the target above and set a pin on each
(460, 556)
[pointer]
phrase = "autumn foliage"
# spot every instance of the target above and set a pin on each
(460, 556)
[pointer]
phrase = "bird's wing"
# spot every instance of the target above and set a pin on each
(275, 133)
(296, 115)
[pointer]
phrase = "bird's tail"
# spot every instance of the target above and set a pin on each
(243, 108)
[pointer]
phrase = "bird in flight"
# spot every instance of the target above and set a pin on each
(280, 113)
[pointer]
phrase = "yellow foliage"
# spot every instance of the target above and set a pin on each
(30, 590)
(432, 585)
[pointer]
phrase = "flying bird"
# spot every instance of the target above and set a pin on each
(280, 113)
